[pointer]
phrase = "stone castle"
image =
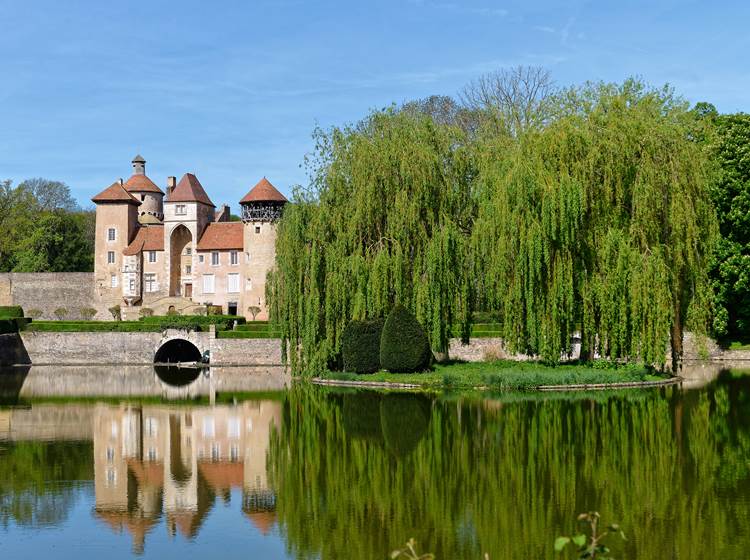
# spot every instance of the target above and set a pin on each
(176, 251)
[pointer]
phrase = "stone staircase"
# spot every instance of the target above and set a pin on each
(160, 306)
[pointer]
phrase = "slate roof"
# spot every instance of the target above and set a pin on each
(189, 189)
(115, 193)
(139, 159)
(147, 238)
(264, 191)
(141, 183)
(221, 236)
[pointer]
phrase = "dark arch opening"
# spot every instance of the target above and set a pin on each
(177, 350)
(177, 376)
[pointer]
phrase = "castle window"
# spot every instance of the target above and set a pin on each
(208, 283)
(113, 280)
(188, 269)
(131, 285)
(188, 251)
(233, 258)
(233, 283)
(257, 229)
(200, 258)
(111, 234)
(150, 281)
(180, 210)
(110, 257)
(215, 258)
(234, 453)
(151, 454)
(152, 256)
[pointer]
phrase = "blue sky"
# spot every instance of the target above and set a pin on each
(232, 90)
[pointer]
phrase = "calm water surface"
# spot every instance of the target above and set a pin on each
(309, 472)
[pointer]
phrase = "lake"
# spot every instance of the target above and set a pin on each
(212, 467)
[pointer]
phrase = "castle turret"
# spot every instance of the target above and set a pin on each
(146, 191)
(261, 208)
(116, 223)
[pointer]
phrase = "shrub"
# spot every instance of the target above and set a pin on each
(404, 346)
(172, 312)
(253, 310)
(146, 312)
(11, 311)
(360, 346)
(214, 310)
(34, 313)
(87, 313)
(60, 313)
(116, 312)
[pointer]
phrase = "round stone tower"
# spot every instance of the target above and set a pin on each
(146, 191)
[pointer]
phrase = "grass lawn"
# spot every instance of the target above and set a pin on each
(505, 375)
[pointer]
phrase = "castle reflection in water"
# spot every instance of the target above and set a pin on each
(175, 462)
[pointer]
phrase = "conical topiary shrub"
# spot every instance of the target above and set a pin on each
(404, 346)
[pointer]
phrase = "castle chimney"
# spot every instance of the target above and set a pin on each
(139, 165)
(120, 181)
(222, 215)
(171, 184)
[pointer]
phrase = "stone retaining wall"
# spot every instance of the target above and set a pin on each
(48, 291)
(125, 348)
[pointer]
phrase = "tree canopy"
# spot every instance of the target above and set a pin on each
(595, 218)
(43, 229)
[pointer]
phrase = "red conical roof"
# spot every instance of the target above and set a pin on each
(189, 189)
(141, 183)
(264, 191)
(115, 193)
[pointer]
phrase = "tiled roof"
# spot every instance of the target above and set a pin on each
(264, 191)
(189, 189)
(141, 183)
(148, 238)
(115, 193)
(221, 235)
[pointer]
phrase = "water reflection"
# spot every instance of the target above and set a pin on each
(328, 474)
(148, 462)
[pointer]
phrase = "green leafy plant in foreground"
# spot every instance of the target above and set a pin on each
(591, 546)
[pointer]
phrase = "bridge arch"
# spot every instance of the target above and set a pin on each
(177, 350)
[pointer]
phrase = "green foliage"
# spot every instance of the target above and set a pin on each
(730, 270)
(253, 310)
(60, 313)
(87, 313)
(409, 552)
(386, 220)
(362, 416)
(592, 547)
(146, 312)
(404, 346)
(11, 311)
(598, 220)
(360, 346)
(196, 322)
(92, 326)
(116, 312)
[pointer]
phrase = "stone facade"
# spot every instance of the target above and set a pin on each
(179, 252)
(47, 291)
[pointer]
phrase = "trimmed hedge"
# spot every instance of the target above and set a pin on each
(360, 346)
(247, 334)
(92, 326)
(11, 311)
(404, 346)
(194, 322)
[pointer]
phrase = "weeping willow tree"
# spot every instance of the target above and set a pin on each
(600, 221)
(388, 219)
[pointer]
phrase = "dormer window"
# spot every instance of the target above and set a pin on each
(180, 210)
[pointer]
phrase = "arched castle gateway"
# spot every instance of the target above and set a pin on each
(177, 251)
